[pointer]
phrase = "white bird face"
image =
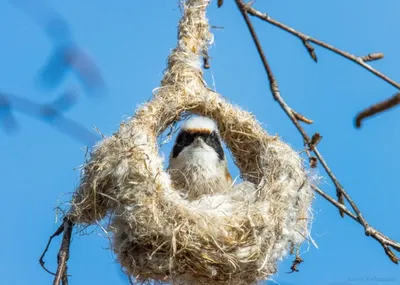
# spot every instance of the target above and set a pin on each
(197, 161)
(198, 142)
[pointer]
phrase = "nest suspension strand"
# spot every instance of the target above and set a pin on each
(232, 238)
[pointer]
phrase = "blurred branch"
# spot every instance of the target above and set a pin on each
(66, 57)
(377, 108)
(307, 40)
(49, 113)
(311, 143)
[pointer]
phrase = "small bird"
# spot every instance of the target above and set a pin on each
(197, 164)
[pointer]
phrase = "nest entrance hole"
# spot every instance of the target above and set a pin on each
(167, 139)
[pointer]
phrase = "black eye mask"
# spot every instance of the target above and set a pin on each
(184, 139)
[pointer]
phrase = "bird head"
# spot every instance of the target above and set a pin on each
(200, 140)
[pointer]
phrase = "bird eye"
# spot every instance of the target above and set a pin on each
(184, 139)
(214, 141)
(213, 137)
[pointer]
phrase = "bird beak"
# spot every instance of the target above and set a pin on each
(198, 142)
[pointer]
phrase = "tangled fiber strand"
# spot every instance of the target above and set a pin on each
(233, 238)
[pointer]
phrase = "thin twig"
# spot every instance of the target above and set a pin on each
(377, 108)
(338, 205)
(41, 260)
(360, 60)
(63, 253)
(382, 239)
(246, 9)
(276, 94)
(306, 40)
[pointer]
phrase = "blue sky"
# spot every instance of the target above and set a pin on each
(129, 41)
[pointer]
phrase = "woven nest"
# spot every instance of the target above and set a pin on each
(231, 238)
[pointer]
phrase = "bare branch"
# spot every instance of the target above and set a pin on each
(382, 239)
(67, 56)
(377, 108)
(335, 203)
(41, 260)
(246, 9)
(50, 113)
(360, 60)
(63, 253)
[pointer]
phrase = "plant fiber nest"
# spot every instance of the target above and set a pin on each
(230, 238)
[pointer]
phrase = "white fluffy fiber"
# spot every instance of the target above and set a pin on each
(235, 238)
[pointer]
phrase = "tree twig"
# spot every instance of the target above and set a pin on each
(245, 10)
(381, 238)
(41, 260)
(360, 60)
(63, 254)
(377, 108)
(307, 40)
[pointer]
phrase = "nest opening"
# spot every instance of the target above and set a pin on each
(167, 138)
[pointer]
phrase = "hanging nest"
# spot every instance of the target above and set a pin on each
(231, 238)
